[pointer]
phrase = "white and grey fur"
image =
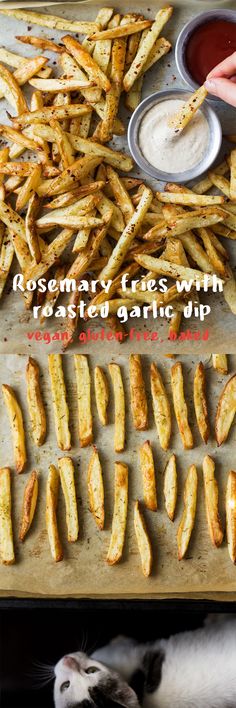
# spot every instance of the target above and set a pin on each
(195, 669)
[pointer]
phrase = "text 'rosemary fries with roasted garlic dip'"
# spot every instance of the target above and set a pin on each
(86, 239)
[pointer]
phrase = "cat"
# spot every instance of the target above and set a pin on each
(195, 669)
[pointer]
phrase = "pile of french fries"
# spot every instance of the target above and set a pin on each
(64, 472)
(69, 208)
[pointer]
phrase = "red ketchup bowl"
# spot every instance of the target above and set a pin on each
(203, 43)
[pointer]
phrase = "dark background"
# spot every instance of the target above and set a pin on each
(39, 631)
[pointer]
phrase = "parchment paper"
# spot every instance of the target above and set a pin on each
(84, 572)
(221, 322)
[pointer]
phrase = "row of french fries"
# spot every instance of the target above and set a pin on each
(70, 179)
(64, 474)
(225, 413)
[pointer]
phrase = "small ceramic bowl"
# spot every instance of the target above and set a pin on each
(185, 34)
(214, 145)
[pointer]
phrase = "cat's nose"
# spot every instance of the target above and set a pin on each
(71, 663)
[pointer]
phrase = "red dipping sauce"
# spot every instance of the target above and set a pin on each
(208, 46)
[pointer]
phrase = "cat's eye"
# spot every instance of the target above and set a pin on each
(64, 686)
(91, 670)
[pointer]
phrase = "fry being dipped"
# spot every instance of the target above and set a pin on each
(17, 427)
(29, 504)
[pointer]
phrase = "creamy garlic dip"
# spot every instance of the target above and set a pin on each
(166, 150)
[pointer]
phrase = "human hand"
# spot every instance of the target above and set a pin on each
(221, 81)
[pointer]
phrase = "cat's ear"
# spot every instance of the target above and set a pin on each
(152, 664)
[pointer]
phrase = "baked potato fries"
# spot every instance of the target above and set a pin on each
(69, 207)
(159, 481)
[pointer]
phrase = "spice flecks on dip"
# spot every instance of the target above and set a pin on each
(166, 150)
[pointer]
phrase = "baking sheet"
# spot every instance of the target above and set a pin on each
(17, 323)
(84, 572)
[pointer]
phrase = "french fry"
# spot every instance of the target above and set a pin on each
(7, 554)
(178, 272)
(179, 122)
(121, 30)
(148, 476)
(189, 513)
(146, 46)
(68, 177)
(67, 477)
(64, 145)
(29, 186)
(6, 258)
(83, 383)
(124, 243)
(120, 194)
(119, 401)
(161, 407)
(200, 402)
(19, 139)
(101, 394)
(84, 60)
(35, 403)
(29, 505)
(17, 427)
(31, 233)
(170, 487)
(57, 85)
(52, 490)
(211, 502)
(226, 410)
(143, 541)
(51, 21)
(113, 94)
(96, 489)
(119, 514)
(189, 199)
(180, 405)
(48, 113)
(137, 393)
(40, 43)
(220, 363)
(231, 515)
(60, 407)
(11, 90)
